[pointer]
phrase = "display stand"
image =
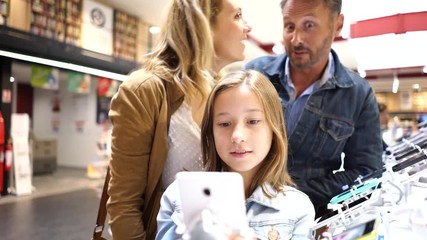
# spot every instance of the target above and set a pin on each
(395, 195)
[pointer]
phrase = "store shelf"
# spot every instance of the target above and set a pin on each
(59, 20)
(125, 35)
(22, 42)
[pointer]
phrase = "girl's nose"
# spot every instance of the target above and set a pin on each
(238, 135)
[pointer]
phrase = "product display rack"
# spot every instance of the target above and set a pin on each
(59, 20)
(4, 8)
(125, 35)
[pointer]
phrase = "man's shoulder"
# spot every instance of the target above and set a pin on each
(349, 78)
(260, 63)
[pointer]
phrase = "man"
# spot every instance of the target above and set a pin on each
(329, 109)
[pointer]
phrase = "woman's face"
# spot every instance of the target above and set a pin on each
(229, 32)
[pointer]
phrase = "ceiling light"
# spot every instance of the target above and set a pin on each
(361, 72)
(278, 48)
(425, 69)
(154, 29)
(12, 79)
(395, 84)
(416, 86)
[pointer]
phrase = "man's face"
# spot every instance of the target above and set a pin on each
(309, 29)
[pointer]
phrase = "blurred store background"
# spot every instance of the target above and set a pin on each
(62, 60)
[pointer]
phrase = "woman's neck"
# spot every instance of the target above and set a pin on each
(218, 65)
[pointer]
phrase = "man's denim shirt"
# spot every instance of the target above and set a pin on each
(290, 215)
(341, 116)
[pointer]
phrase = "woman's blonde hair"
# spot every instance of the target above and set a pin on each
(273, 168)
(185, 50)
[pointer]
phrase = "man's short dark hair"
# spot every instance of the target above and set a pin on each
(333, 5)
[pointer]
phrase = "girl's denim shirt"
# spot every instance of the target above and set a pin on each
(288, 215)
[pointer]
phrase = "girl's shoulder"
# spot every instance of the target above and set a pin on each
(289, 190)
(292, 195)
(289, 195)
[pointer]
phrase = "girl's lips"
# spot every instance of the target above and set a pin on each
(240, 154)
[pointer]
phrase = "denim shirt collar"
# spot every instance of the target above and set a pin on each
(259, 197)
(329, 71)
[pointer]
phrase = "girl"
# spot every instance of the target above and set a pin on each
(243, 131)
(198, 38)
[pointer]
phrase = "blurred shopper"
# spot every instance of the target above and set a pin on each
(197, 39)
(243, 131)
(329, 109)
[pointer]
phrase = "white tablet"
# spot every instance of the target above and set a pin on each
(220, 192)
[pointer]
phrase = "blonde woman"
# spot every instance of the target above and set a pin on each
(197, 39)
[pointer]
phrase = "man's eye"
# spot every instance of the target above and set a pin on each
(289, 27)
(309, 25)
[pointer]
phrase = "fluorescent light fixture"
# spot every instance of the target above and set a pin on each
(278, 48)
(425, 69)
(64, 65)
(416, 86)
(361, 72)
(395, 84)
(154, 29)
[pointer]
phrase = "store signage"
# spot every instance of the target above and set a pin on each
(78, 82)
(107, 87)
(44, 77)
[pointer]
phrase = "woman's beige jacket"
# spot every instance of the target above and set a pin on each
(139, 115)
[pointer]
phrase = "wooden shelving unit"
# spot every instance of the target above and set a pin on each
(125, 35)
(57, 19)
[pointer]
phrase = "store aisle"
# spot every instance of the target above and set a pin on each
(64, 206)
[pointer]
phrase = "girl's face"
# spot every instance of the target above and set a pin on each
(229, 31)
(242, 134)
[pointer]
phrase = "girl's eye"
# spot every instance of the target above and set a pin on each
(254, 121)
(238, 16)
(226, 124)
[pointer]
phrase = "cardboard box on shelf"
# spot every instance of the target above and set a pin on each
(44, 148)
